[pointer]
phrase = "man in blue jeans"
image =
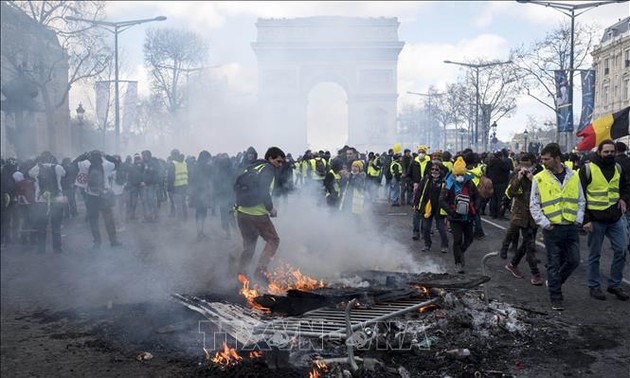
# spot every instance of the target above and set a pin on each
(606, 189)
(557, 205)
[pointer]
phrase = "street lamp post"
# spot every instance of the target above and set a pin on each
(80, 114)
(116, 28)
(569, 10)
(476, 67)
(430, 95)
(525, 135)
(462, 132)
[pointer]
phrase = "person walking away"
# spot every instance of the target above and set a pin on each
(99, 198)
(151, 181)
(332, 183)
(458, 201)
(178, 183)
(498, 170)
(476, 167)
(134, 185)
(406, 184)
(427, 202)
(68, 187)
(200, 191)
(223, 176)
(254, 210)
(395, 168)
(49, 201)
(373, 175)
(519, 189)
(557, 205)
(606, 189)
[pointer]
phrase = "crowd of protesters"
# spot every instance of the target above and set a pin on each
(557, 195)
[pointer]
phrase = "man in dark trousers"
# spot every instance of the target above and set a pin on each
(254, 210)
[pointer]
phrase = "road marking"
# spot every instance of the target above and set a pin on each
(542, 245)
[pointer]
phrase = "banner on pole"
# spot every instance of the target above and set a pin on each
(588, 98)
(130, 101)
(564, 107)
(102, 102)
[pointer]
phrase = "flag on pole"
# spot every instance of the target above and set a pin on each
(102, 102)
(588, 98)
(611, 126)
(130, 102)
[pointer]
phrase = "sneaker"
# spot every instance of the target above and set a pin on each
(619, 293)
(444, 250)
(261, 275)
(556, 304)
(480, 236)
(537, 280)
(597, 294)
(426, 249)
(514, 270)
(416, 236)
(459, 268)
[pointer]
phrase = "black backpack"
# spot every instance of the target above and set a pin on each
(96, 181)
(47, 179)
(320, 167)
(247, 187)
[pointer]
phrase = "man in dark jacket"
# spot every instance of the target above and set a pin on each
(520, 190)
(427, 204)
(606, 190)
(255, 220)
(498, 170)
(623, 160)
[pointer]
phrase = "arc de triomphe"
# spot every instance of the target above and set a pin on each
(359, 54)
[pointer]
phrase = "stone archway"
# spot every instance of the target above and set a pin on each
(359, 54)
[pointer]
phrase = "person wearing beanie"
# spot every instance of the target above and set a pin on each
(458, 201)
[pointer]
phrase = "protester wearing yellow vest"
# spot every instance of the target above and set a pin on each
(254, 221)
(557, 205)
(394, 187)
(427, 204)
(606, 189)
(178, 185)
(373, 175)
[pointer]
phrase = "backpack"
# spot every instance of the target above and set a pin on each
(121, 175)
(247, 187)
(320, 167)
(96, 181)
(485, 187)
(47, 180)
(462, 202)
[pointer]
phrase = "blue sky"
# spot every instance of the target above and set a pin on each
(432, 31)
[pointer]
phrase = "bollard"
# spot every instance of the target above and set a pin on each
(483, 272)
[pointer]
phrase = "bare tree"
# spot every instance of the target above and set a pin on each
(536, 63)
(171, 55)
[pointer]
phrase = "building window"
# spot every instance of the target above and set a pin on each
(605, 96)
(626, 58)
(606, 66)
(626, 89)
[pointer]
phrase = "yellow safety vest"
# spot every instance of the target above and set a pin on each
(259, 209)
(423, 165)
(601, 194)
(371, 171)
(448, 165)
(181, 173)
(313, 165)
(559, 204)
(477, 172)
(391, 166)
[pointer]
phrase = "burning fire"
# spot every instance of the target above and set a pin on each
(281, 279)
(425, 291)
(255, 354)
(226, 357)
(319, 366)
(428, 308)
(287, 277)
(250, 294)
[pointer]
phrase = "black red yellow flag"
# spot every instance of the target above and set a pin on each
(610, 126)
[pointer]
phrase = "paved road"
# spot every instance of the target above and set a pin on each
(159, 259)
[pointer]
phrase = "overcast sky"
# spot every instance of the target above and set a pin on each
(433, 31)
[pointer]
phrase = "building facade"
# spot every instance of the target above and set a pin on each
(611, 62)
(35, 115)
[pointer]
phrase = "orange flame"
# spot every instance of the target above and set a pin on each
(320, 365)
(250, 294)
(425, 291)
(428, 308)
(255, 354)
(313, 374)
(226, 357)
(287, 277)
